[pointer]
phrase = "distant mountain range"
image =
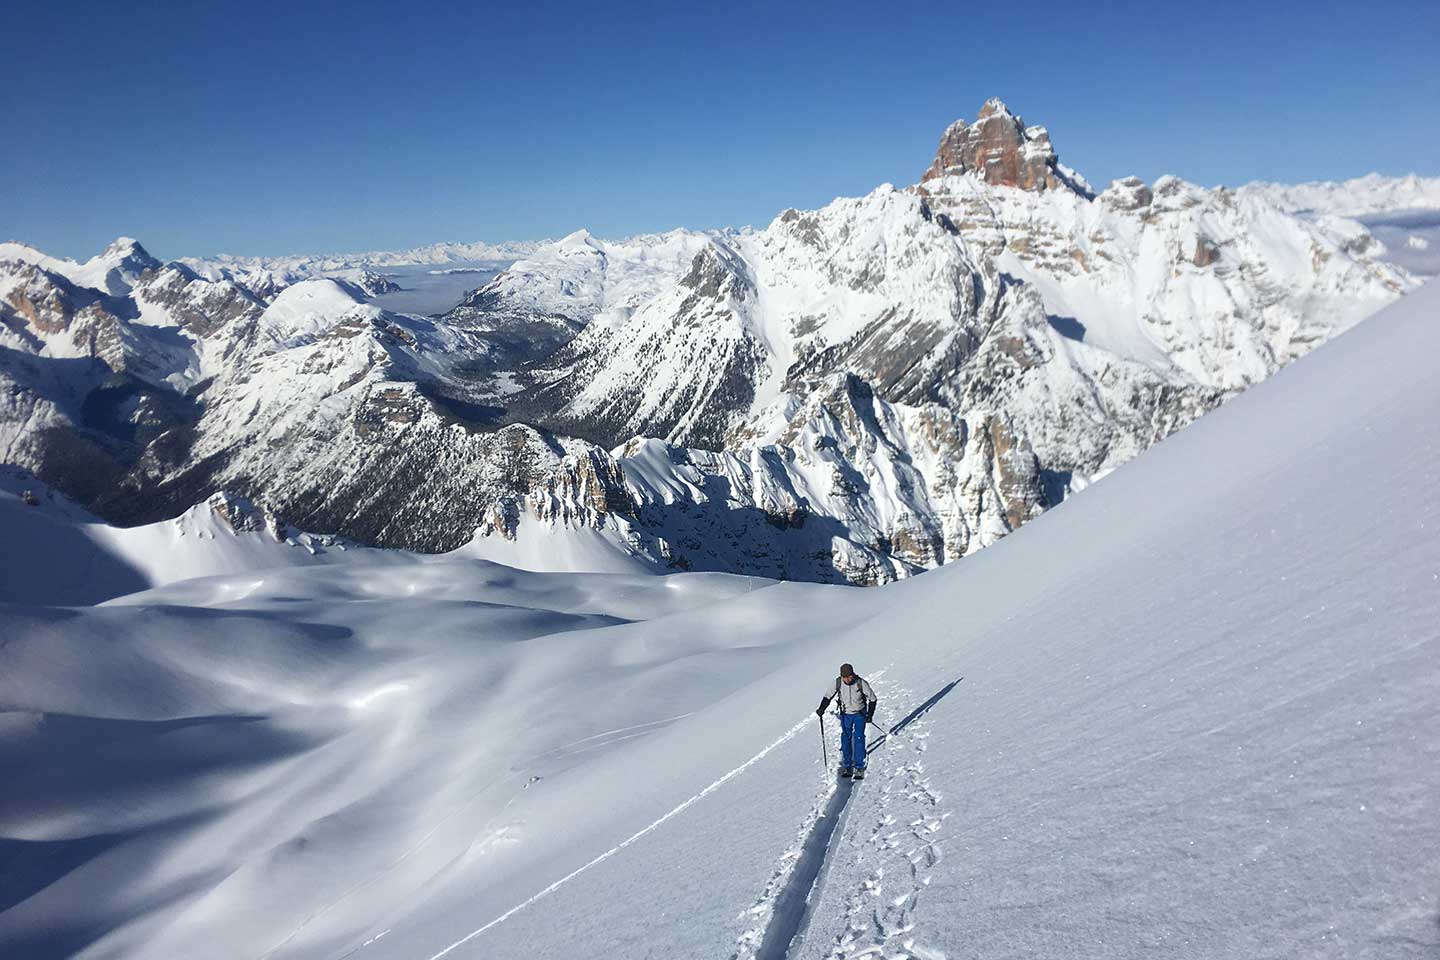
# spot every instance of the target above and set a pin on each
(853, 394)
(438, 254)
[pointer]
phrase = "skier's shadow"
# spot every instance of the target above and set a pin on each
(912, 716)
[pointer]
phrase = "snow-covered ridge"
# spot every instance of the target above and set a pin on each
(1400, 214)
(1359, 197)
(112, 271)
(328, 264)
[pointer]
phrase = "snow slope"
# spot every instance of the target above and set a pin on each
(56, 553)
(1197, 715)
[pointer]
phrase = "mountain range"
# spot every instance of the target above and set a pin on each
(850, 394)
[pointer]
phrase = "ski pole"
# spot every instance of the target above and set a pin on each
(824, 752)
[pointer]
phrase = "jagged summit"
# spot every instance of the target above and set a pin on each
(999, 149)
(122, 248)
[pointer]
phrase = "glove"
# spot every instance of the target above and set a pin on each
(820, 710)
(870, 712)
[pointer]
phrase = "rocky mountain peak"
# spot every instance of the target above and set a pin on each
(128, 248)
(1000, 150)
(116, 269)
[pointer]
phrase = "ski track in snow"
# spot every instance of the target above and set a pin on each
(716, 785)
(878, 918)
(897, 836)
(792, 902)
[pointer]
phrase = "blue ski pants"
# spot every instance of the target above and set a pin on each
(852, 739)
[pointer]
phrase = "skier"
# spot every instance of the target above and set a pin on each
(855, 702)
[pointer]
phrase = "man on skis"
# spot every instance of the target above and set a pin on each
(855, 702)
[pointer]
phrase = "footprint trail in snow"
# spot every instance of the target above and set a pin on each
(879, 835)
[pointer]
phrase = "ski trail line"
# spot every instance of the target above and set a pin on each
(552, 754)
(608, 733)
(791, 912)
(788, 735)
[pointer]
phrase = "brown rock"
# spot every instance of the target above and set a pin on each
(1206, 252)
(1001, 150)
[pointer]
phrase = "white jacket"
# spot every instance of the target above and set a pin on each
(852, 697)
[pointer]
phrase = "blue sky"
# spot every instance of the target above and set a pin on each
(254, 128)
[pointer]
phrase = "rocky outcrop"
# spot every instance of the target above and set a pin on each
(583, 491)
(200, 306)
(43, 300)
(854, 490)
(1127, 195)
(1207, 252)
(242, 516)
(1003, 152)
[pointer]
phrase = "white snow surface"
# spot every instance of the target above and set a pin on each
(557, 548)
(310, 308)
(1197, 716)
(604, 281)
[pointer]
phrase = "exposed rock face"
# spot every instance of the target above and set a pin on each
(44, 301)
(374, 284)
(585, 489)
(857, 490)
(200, 306)
(241, 516)
(1206, 252)
(1127, 195)
(1000, 150)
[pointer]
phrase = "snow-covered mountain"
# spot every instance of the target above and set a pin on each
(919, 371)
(374, 274)
(1356, 198)
(1401, 213)
(854, 393)
(302, 266)
(142, 402)
(1190, 712)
